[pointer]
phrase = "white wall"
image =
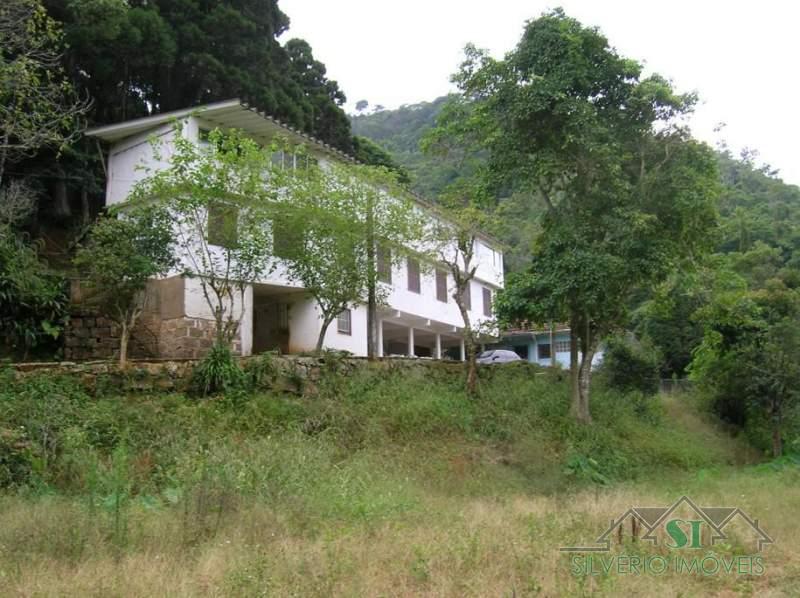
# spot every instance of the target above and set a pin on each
(425, 304)
(130, 158)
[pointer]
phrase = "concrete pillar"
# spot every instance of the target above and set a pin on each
(438, 351)
(463, 351)
(411, 341)
(380, 338)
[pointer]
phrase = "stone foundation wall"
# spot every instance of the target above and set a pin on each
(89, 335)
(188, 338)
(285, 373)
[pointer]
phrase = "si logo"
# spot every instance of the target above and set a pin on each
(683, 533)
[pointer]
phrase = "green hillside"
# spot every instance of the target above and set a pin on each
(379, 482)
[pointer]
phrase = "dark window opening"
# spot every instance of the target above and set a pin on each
(383, 258)
(487, 302)
(441, 285)
(543, 351)
(222, 224)
(286, 241)
(414, 284)
(344, 324)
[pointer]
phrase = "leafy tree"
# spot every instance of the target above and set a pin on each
(372, 154)
(38, 106)
(748, 359)
(629, 365)
(343, 212)
(33, 298)
(454, 239)
(627, 192)
(137, 57)
(221, 210)
(121, 255)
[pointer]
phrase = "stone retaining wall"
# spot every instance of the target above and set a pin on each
(290, 373)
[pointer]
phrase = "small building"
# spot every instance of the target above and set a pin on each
(419, 318)
(547, 347)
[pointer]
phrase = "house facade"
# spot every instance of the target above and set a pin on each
(418, 318)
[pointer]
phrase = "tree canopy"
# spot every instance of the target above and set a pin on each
(136, 57)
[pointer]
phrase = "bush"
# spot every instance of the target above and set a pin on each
(629, 366)
(219, 371)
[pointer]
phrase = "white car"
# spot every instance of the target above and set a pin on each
(498, 356)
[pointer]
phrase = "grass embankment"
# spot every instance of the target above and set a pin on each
(379, 484)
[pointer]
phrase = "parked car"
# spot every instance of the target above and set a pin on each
(498, 356)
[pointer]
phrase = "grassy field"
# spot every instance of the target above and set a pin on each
(368, 487)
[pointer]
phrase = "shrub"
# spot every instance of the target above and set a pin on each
(629, 365)
(218, 372)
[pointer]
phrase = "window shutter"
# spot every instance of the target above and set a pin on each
(466, 296)
(487, 302)
(383, 257)
(413, 275)
(441, 285)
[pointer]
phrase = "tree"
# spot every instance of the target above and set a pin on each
(33, 298)
(454, 239)
(38, 106)
(748, 359)
(628, 193)
(372, 154)
(361, 105)
(122, 253)
(343, 212)
(222, 197)
(137, 58)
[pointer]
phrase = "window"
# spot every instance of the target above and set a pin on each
(441, 285)
(344, 323)
(466, 297)
(283, 317)
(522, 351)
(383, 257)
(487, 302)
(283, 160)
(286, 242)
(543, 350)
(222, 224)
(561, 346)
(413, 275)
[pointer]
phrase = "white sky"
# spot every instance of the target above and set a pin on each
(742, 57)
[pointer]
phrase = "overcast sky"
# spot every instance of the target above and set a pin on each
(741, 57)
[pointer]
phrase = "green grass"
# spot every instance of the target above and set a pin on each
(375, 483)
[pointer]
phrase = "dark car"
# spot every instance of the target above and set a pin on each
(498, 356)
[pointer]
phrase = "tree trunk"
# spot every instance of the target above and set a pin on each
(322, 331)
(372, 301)
(584, 383)
(85, 211)
(777, 443)
(124, 336)
(574, 369)
(472, 364)
(60, 198)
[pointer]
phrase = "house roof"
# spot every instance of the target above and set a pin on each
(238, 114)
(229, 114)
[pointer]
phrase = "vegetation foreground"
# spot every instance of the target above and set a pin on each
(371, 484)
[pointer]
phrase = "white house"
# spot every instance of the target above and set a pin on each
(419, 318)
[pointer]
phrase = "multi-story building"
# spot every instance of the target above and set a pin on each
(418, 318)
